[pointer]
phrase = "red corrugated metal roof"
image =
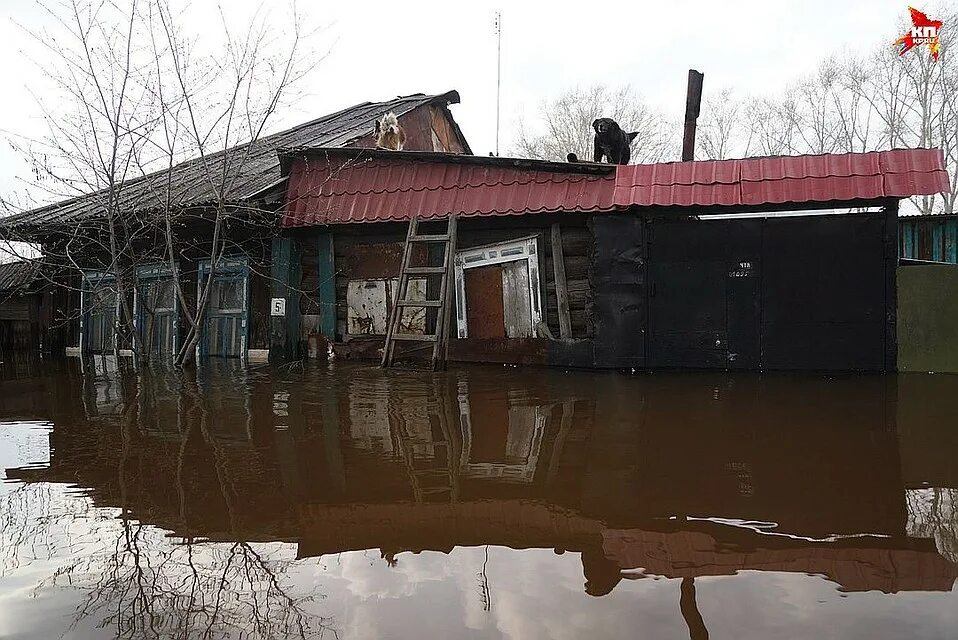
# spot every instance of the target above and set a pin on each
(389, 187)
(328, 186)
(783, 179)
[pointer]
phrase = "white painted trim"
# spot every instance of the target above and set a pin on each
(512, 251)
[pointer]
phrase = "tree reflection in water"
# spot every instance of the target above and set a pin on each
(137, 579)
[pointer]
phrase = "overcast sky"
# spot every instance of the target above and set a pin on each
(379, 50)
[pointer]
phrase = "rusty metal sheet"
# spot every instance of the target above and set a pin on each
(367, 310)
(485, 316)
(378, 260)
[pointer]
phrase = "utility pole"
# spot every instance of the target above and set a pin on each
(693, 102)
(498, 73)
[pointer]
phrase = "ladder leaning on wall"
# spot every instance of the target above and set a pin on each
(439, 339)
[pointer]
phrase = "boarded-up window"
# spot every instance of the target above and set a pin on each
(368, 313)
(497, 290)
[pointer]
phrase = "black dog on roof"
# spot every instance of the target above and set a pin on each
(611, 142)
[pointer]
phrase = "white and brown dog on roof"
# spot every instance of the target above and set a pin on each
(389, 135)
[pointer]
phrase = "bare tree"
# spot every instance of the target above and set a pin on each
(218, 107)
(141, 92)
(720, 131)
(103, 113)
(565, 126)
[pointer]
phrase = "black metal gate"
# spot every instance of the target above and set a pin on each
(704, 294)
(806, 292)
(824, 300)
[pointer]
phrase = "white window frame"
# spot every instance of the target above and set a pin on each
(498, 253)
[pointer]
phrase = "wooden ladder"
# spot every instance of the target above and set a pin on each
(439, 340)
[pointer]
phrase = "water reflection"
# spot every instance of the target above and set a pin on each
(228, 502)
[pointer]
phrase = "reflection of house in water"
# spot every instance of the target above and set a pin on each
(681, 476)
(505, 441)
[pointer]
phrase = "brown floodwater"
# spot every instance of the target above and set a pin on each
(342, 501)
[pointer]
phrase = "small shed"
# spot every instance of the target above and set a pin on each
(758, 263)
(21, 304)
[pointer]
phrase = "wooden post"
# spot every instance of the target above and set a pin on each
(284, 286)
(326, 272)
(562, 290)
(693, 102)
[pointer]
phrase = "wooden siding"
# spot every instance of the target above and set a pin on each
(928, 238)
(577, 245)
(444, 131)
(423, 126)
(367, 252)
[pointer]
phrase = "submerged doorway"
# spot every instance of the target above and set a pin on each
(98, 301)
(704, 294)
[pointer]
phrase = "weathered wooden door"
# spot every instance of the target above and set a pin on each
(704, 286)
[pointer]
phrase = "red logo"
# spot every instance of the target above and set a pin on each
(924, 31)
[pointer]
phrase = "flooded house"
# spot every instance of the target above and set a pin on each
(771, 263)
(758, 263)
(93, 287)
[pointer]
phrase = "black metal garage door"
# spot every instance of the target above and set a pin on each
(704, 293)
(778, 293)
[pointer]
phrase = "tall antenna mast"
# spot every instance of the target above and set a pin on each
(498, 72)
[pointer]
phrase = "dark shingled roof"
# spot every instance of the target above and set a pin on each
(16, 274)
(259, 172)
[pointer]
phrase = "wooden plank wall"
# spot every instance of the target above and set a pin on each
(309, 280)
(352, 260)
(576, 249)
(932, 238)
(442, 126)
(259, 295)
